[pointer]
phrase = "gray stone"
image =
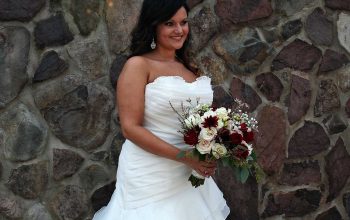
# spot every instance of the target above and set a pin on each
(86, 15)
(337, 168)
(270, 86)
(29, 181)
(65, 163)
(346, 202)
(288, 7)
(334, 124)
(55, 5)
(21, 10)
(292, 204)
(327, 99)
(116, 68)
(297, 55)
(193, 3)
(50, 66)
(332, 60)
(343, 25)
(10, 207)
(331, 213)
(271, 139)
(242, 51)
(347, 108)
(124, 13)
(93, 175)
(14, 50)
(53, 31)
(299, 98)
(102, 196)
(234, 11)
(304, 173)
(203, 25)
(338, 4)
(291, 28)
(343, 78)
(23, 133)
(82, 117)
(319, 28)
(90, 57)
(245, 93)
(116, 147)
(307, 141)
(70, 203)
(37, 212)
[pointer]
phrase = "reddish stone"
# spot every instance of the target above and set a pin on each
(332, 60)
(337, 169)
(245, 93)
(319, 28)
(236, 11)
(300, 173)
(299, 98)
(308, 140)
(327, 99)
(338, 4)
(271, 139)
(347, 108)
(246, 195)
(332, 214)
(297, 55)
(292, 204)
(222, 98)
(270, 86)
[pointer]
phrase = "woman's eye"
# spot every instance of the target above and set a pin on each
(169, 23)
(184, 22)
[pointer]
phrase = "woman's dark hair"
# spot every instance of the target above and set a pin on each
(154, 12)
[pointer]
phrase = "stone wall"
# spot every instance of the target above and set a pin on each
(59, 133)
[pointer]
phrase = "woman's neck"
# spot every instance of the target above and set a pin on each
(164, 55)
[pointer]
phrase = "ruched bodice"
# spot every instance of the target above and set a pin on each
(151, 187)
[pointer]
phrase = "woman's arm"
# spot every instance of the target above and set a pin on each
(130, 100)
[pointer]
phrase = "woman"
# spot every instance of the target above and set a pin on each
(152, 182)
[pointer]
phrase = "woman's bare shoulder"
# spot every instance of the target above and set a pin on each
(136, 68)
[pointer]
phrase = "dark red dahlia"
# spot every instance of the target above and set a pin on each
(210, 121)
(241, 153)
(248, 136)
(236, 138)
(243, 127)
(224, 134)
(191, 137)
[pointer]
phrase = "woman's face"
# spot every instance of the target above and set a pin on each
(172, 34)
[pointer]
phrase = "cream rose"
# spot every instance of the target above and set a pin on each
(219, 150)
(204, 146)
(208, 134)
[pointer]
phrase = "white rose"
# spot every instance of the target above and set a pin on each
(208, 113)
(208, 133)
(219, 150)
(204, 146)
(222, 113)
(220, 124)
(192, 120)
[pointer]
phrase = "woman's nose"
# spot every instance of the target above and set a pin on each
(178, 29)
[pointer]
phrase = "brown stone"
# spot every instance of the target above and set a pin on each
(299, 98)
(65, 163)
(21, 10)
(236, 11)
(332, 60)
(337, 169)
(10, 207)
(235, 192)
(116, 68)
(245, 93)
(270, 85)
(102, 196)
(222, 98)
(304, 173)
(29, 181)
(297, 55)
(347, 108)
(292, 204)
(338, 4)
(308, 140)
(319, 28)
(331, 213)
(327, 99)
(271, 139)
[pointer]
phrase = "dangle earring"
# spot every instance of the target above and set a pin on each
(153, 44)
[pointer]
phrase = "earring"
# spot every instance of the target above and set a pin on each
(153, 44)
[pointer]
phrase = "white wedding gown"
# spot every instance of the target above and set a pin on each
(150, 187)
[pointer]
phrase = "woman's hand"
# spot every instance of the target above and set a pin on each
(205, 168)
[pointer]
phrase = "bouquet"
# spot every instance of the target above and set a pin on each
(223, 134)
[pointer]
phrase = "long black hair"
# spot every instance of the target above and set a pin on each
(154, 12)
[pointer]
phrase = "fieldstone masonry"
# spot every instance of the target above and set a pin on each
(59, 131)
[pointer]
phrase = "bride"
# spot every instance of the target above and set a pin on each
(152, 182)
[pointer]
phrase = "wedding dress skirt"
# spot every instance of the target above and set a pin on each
(150, 187)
